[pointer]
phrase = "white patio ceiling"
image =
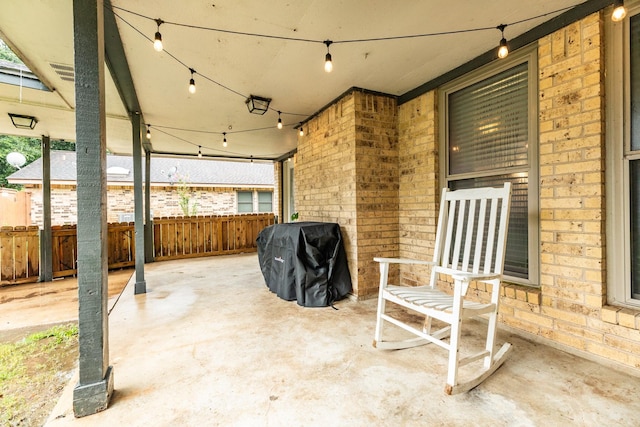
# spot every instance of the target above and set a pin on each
(231, 66)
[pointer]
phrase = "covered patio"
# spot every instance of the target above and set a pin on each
(375, 142)
(208, 344)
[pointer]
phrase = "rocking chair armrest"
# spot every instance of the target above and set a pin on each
(469, 277)
(402, 261)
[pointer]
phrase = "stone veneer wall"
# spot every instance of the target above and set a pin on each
(164, 202)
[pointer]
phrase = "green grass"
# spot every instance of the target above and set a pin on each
(29, 372)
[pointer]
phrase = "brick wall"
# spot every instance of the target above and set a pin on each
(346, 172)
(419, 193)
(164, 202)
(343, 175)
(376, 184)
(572, 199)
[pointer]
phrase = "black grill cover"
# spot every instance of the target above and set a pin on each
(304, 261)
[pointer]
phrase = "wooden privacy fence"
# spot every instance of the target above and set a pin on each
(173, 238)
(19, 254)
(187, 237)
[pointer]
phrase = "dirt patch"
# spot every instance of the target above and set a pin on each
(34, 369)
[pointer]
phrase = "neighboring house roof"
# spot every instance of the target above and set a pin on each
(164, 170)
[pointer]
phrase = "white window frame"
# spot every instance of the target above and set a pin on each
(618, 156)
(525, 55)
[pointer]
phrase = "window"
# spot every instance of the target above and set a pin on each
(623, 158)
(489, 132)
(245, 201)
(265, 201)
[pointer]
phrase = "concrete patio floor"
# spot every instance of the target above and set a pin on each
(208, 344)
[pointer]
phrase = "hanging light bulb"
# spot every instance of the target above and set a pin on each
(301, 133)
(619, 12)
(199, 151)
(328, 65)
(224, 139)
(192, 83)
(503, 49)
(251, 159)
(279, 121)
(157, 41)
(148, 132)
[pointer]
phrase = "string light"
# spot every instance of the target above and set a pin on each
(328, 65)
(157, 40)
(503, 49)
(224, 139)
(279, 121)
(148, 132)
(199, 151)
(192, 82)
(619, 12)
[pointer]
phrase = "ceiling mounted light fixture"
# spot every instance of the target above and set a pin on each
(257, 104)
(328, 65)
(619, 12)
(157, 40)
(23, 122)
(148, 131)
(224, 139)
(279, 121)
(503, 49)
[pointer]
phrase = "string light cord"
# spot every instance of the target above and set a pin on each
(157, 21)
(202, 147)
(175, 58)
(211, 132)
(372, 39)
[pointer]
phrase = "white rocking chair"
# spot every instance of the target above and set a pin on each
(470, 246)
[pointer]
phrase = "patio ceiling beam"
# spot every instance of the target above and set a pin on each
(119, 68)
(572, 15)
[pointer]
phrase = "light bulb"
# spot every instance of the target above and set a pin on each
(224, 140)
(157, 42)
(619, 12)
(279, 121)
(199, 151)
(148, 132)
(503, 50)
(301, 132)
(328, 65)
(192, 83)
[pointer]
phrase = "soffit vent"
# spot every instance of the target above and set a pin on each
(65, 72)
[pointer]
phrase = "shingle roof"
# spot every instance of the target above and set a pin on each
(164, 170)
